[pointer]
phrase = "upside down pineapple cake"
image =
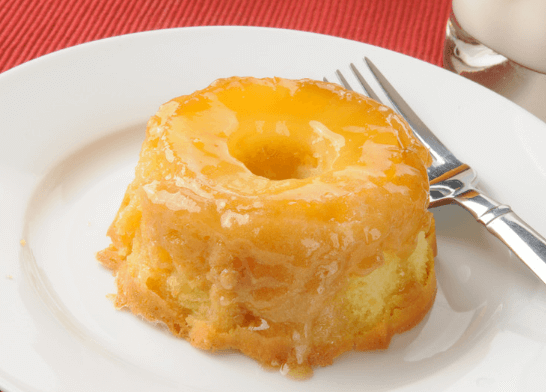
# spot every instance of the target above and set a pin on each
(286, 219)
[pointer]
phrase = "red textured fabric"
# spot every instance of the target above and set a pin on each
(32, 28)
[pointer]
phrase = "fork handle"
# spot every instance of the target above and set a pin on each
(500, 220)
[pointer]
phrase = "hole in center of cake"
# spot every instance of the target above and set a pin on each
(276, 158)
(283, 149)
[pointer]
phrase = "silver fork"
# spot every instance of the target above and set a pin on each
(453, 182)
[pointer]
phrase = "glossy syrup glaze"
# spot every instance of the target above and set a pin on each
(256, 203)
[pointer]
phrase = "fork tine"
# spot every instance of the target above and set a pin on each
(400, 104)
(365, 85)
(343, 80)
(423, 133)
(325, 80)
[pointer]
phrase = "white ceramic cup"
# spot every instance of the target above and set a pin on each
(501, 44)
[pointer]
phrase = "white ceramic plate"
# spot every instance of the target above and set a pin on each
(71, 124)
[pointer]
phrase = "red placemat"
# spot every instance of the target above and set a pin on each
(32, 28)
